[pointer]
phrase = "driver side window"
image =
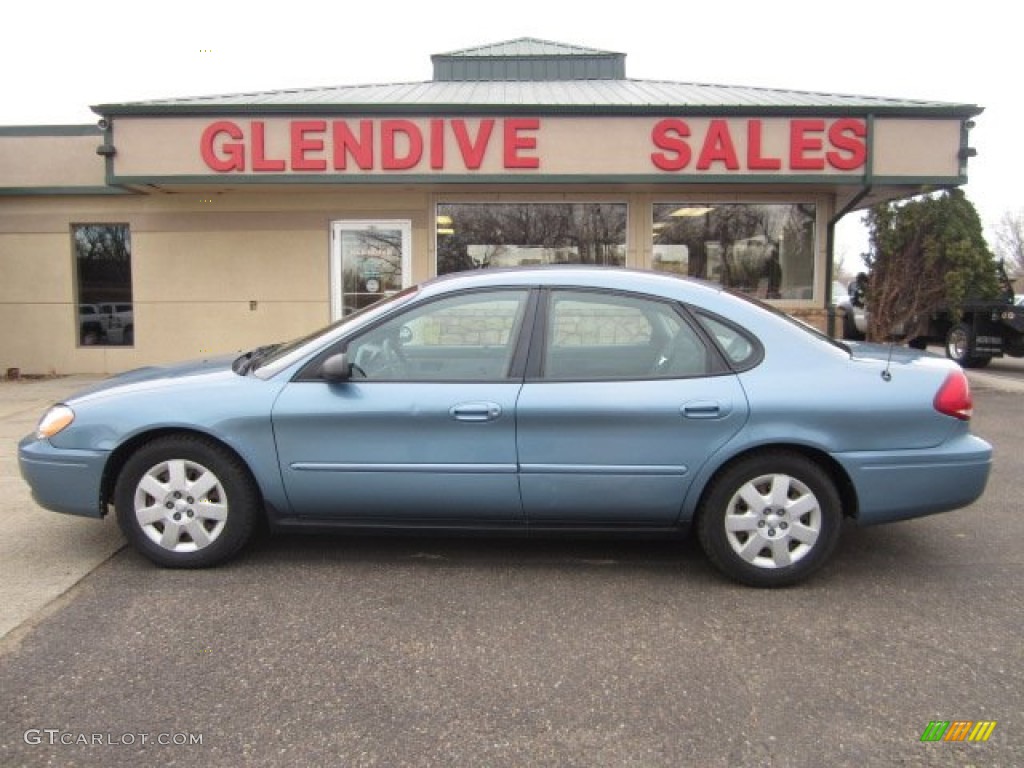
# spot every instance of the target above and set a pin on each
(471, 337)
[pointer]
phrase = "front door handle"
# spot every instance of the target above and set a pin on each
(475, 411)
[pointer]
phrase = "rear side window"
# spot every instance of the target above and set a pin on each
(600, 336)
(741, 350)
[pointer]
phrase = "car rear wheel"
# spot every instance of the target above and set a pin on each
(185, 502)
(770, 520)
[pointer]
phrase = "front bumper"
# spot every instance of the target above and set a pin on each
(63, 480)
(900, 485)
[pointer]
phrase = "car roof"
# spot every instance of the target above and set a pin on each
(608, 278)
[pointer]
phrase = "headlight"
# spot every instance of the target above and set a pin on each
(53, 421)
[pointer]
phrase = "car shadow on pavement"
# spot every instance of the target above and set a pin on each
(472, 551)
(863, 555)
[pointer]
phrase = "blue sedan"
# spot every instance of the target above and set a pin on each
(526, 401)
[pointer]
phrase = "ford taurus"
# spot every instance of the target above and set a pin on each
(528, 401)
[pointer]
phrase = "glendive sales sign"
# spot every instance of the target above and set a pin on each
(520, 144)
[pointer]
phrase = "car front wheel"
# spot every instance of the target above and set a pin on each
(185, 502)
(770, 520)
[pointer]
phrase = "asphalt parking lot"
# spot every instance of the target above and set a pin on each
(447, 652)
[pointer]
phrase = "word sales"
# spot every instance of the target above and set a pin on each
(715, 146)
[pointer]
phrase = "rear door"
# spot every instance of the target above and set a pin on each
(624, 400)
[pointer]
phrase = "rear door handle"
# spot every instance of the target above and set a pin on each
(704, 409)
(475, 411)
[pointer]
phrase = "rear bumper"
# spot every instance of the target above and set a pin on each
(903, 484)
(63, 480)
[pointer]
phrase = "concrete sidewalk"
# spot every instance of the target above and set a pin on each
(43, 553)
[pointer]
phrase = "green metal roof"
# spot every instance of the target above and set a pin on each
(537, 77)
(529, 59)
(524, 46)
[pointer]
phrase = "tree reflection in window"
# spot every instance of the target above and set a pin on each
(484, 235)
(103, 271)
(766, 250)
(371, 265)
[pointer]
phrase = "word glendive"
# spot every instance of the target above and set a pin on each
(958, 730)
(718, 145)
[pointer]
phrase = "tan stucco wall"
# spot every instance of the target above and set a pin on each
(51, 161)
(917, 148)
(196, 267)
(199, 259)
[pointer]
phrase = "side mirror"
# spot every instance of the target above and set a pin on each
(336, 368)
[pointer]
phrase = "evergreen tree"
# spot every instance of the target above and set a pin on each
(928, 253)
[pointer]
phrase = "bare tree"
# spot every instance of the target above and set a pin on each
(1010, 242)
(901, 289)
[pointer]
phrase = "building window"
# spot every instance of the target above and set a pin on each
(766, 250)
(103, 274)
(482, 235)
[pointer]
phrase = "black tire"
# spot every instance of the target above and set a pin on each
(189, 531)
(959, 342)
(803, 530)
(850, 332)
(918, 342)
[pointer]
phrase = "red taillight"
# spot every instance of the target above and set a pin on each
(954, 397)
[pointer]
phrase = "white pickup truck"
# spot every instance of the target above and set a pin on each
(106, 323)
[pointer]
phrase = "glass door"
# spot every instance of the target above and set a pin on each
(369, 260)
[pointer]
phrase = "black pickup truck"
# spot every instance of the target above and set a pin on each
(980, 330)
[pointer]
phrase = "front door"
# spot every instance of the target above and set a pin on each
(425, 430)
(369, 260)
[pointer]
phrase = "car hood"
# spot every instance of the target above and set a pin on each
(157, 376)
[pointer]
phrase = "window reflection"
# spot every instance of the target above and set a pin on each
(461, 338)
(766, 250)
(486, 235)
(371, 261)
(103, 272)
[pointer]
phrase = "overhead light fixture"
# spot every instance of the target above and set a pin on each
(694, 210)
(444, 221)
(445, 231)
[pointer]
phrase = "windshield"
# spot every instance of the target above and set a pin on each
(269, 360)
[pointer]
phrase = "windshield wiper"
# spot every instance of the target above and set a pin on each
(252, 358)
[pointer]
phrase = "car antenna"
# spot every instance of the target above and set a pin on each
(887, 374)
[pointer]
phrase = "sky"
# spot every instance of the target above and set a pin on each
(60, 57)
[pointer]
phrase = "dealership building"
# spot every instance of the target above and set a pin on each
(187, 227)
